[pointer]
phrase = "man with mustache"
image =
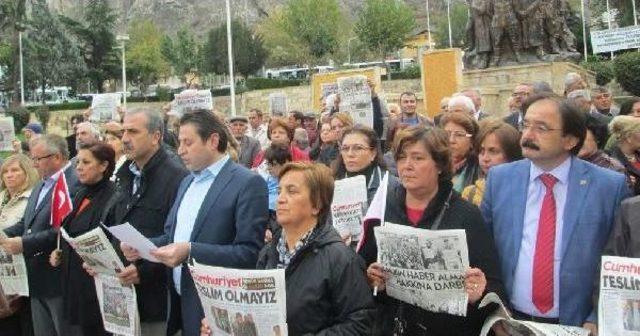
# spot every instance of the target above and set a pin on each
(551, 215)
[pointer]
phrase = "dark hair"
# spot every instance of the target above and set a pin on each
(299, 116)
(407, 93)
(573, 121)
(508, 137)
(372, 140)
(436, 142)
(103, 153)
(78, 118)
(207, 124)
(279, 154)
(280, 122)
(257, 111)
(627, 106)
(598, 129)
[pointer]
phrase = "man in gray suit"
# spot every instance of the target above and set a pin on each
(34, 237)
(249, 147)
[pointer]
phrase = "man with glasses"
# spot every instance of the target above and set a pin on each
(603, 102)
(551, 215)
(520, 93)
(34, 237)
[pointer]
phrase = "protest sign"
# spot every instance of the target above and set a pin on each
(242, 302)
(619, 302)
(118, 303)
(323, 84)
(426, 267)
(104, 107)
(609, 40)
(190, 100)
(355, 98)
(7, 133)
(349, 206)
(278, 105)
(127, 234)
(515, 327)
(13, 272)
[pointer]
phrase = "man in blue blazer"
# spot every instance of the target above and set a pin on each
(34, 237)
(551, 215)
(218, 218)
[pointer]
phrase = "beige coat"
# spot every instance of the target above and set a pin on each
(13, 211)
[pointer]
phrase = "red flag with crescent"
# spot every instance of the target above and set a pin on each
(61, 205)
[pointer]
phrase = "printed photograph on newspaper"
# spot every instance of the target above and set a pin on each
(355, 97)
(619, 300)
(118, 306)
(96, 250)
(13, 272)
(349, 206)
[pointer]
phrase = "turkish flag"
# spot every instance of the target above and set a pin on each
(61, 205)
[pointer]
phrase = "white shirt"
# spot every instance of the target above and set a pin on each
(49, 182)
(259, 134)
(521, 295)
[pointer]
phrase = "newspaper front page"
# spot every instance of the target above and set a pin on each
(426, 267)
(7, 133)
(104, 107)
(13, 272)
(278, 104)
(355, 97)
(349, 206)
(619, 303)
(242, 302)
(190, 100)
(515, 327)
(118, 303)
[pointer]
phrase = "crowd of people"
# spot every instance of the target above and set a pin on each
(541, 194)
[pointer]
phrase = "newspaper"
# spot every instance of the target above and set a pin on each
(242, 302)
(619, 303)
(190, 100)
(349, 206)
(327, 89)
(104, 107)
(7, 133)
(355, 97)
(118, 303)
(523, 328)
(278, 104)
(13, 272)
(426, 267)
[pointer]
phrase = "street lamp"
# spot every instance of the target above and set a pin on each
(21, 69)
(230, 56)
(123, 39)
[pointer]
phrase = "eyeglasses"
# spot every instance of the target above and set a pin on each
(356, 149)
(458, 134)
(538, 128)
(38, 159)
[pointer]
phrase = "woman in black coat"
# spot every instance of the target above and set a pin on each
(94, 168)
(424, 198)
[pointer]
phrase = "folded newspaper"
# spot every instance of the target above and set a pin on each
(355, 98)
(515, 327)
(426, 267)
(619, 302)
(118, 303)
(13, 272)
(242, 302)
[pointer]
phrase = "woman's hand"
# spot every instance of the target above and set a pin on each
(55, 258)
(376, 276)
(475, 283)
(89, 269)
(204, 328)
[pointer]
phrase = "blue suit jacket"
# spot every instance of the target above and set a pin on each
(228, 232)
(593, 196)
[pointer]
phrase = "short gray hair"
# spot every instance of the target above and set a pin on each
(579, 94)
(571, 78)
(464, 100)
(154, 119)
(54, 144)
(93, 128)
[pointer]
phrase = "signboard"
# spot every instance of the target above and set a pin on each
(328, 82)
(7, 133)
(610, 40)
(441, 77)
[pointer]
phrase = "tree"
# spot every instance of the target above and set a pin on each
(459, 18)
(183, 54)
(145, 62)
(384, 25)
(51, 56)
(249, 54)
(283, 50)
(97, 41)
(12, 18)
(627, 70)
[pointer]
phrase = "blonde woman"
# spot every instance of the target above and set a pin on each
(18, 177)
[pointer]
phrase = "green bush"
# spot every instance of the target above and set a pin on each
(627, 71)
(602, 68)
(259, 83)
(43, 115)
(61, 107)
(410, 72)
(163, 94)
(20, 117)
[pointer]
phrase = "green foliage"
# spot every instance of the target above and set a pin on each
(20, 116)
(314, 24)
(183, 53)
(259, 83)
(410, 72)
(384, 25)
(627, 70)
(164, 93)
(145, 62)
(283, 50)
(83, 105)
(458, 26)
(603, 69)
(249, 54)
(43, 115)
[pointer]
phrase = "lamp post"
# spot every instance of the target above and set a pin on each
(232, 85)
(123, 39)
(21, 69)
(349, 49)
(429, 27)
(449, 22)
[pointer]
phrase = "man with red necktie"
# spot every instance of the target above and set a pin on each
(551, 215)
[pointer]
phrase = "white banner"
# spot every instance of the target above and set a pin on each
(619, 304)
(7, 133)
(104, 107)
(242, 302)
(349, 206)
(355, 98)
(615, 39)
(426, 267)
(13, 272)
(190, 100)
